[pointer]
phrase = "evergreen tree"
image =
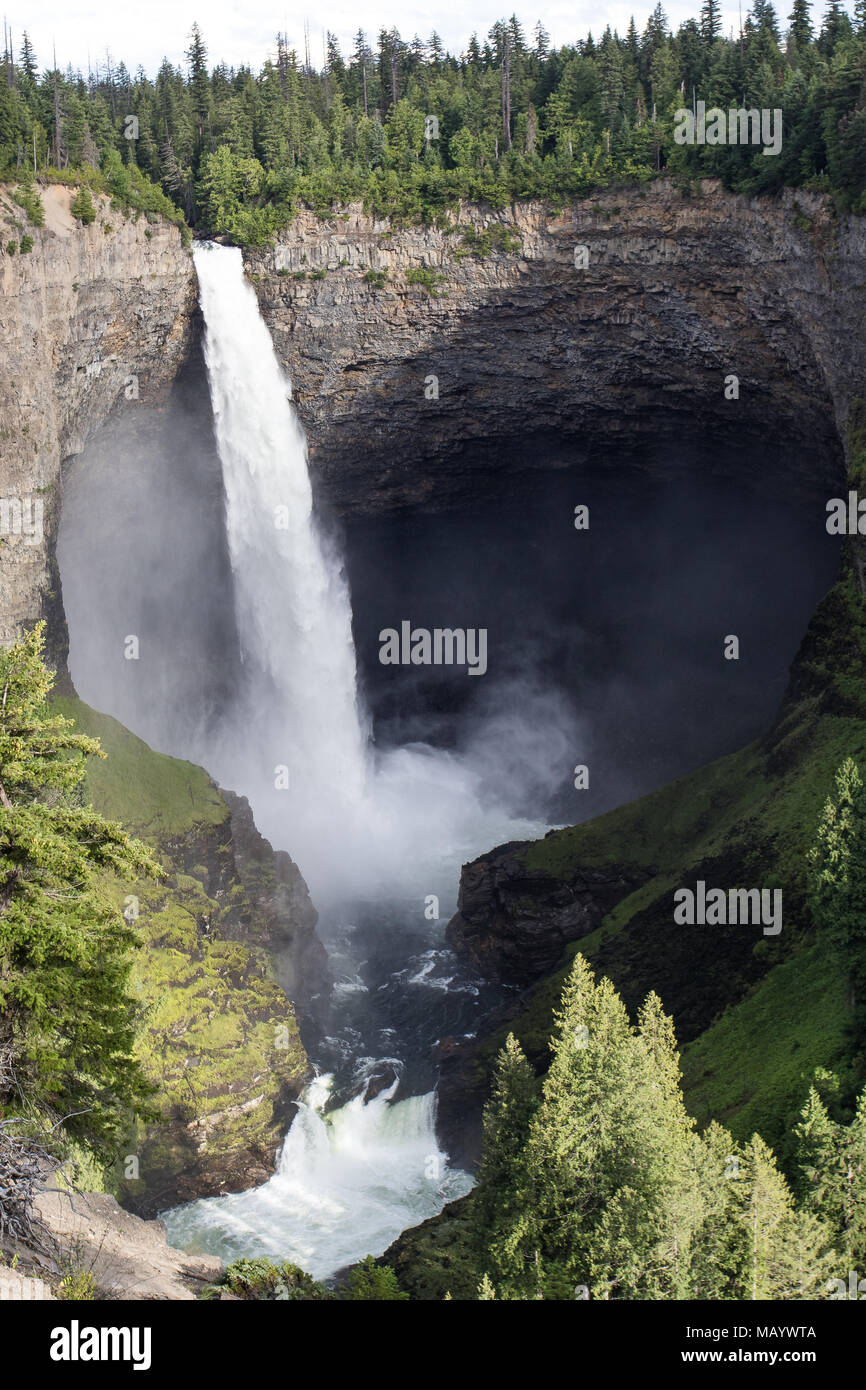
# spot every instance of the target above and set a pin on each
(28, 64)
(831, 1176)
(838, 862)
(67, 1020)
(711, 21)
(763, 17)
(82, 206)
(501, 1176)
(835, 27)
(196, 57)
(719, 1245)
(603, 1203)
(800, 22)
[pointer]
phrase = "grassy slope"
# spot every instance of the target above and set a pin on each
(212, 1006)
(153, 795)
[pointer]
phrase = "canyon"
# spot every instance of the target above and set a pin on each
(681, 289)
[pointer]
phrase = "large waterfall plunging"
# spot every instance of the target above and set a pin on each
(293, 613)
(297, 745)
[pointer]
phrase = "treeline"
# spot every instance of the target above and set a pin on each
(410, 128)
(598, 1184)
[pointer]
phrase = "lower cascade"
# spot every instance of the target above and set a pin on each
(347, 1184)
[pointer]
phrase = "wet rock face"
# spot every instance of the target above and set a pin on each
(410, 393)
(512, 924)
(94, 319)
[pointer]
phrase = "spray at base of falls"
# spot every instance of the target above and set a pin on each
(346, 1185)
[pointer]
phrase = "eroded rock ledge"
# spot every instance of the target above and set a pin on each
(512, 924)
(679, 293)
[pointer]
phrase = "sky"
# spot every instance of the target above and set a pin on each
(238, 33)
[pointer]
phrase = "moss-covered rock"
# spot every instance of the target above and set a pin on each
(227, 928)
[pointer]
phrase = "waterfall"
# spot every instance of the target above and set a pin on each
(292, 606)
(347, 1184)
(358, 825)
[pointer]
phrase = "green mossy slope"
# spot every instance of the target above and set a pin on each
(219, 1037)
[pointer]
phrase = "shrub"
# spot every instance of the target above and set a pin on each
(78, 1287)
(26, 245)
(376, 278)
(30, 201)
(428, 281)
(370, 1282)
(82, 206)
(264, 1281)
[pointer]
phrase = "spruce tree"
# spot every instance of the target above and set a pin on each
(831, 1176)
(669, 1143)
(719, 1245)
(800, 22)
(27, 60)
(501, 1181)
(766, 1214)
(82, 206)
(604, 1204)
(196, 56)
(711, 21)
(838, 889)
(67, 1019)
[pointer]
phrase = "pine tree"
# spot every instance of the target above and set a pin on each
(28, 64)
(82, 206)
(196, 56)
(602, 1204)
(66, 1018)
(831, 1176)
(669, 1144)
(541, 47)
(711, 21)
(800, 22)
(501, 1176)
(766, 1212)
(764, 17)
(835, 26)
(838, 863)
(719, 1247)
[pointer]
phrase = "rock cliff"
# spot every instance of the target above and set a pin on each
(226, 933)
(421, 356)
(93, 317)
